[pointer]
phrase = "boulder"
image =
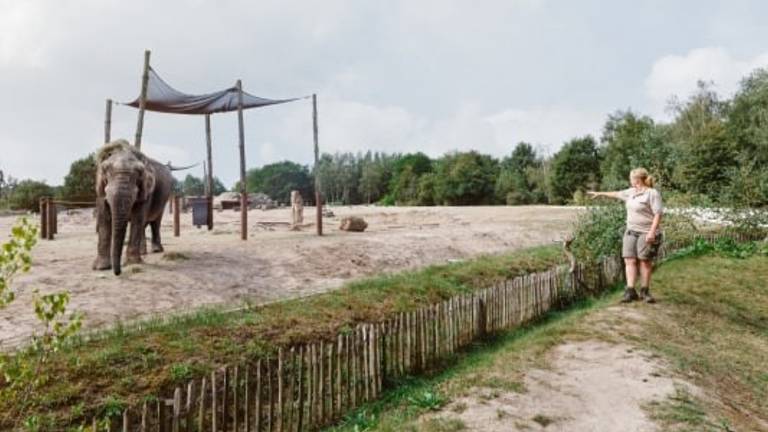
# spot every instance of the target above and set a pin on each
(353, 223)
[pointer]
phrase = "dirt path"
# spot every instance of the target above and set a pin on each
(591, 386)
(583, 385)
(217, 268)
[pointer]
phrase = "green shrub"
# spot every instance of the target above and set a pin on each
(26, 195)
(598, 232)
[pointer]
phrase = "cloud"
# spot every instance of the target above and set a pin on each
(547, 127)
(22, 24)
(357, 127)
(677, 75)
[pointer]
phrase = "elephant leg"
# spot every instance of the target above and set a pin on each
(103, 259)
(143, 240)
(157, 246)
(133, 254)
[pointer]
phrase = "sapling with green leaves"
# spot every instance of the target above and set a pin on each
(23, 372)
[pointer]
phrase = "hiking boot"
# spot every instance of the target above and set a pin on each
(630, 295)
(645, 295)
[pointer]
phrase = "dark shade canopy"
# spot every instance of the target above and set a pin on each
(161, 97)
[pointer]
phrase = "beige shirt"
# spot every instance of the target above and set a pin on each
(642, 206)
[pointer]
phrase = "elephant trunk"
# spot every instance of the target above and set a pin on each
(121, 210)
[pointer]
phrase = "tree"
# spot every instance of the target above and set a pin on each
(404, 184)
(704, 152)
(278, 180)
(80, 182)
(465, 179)
(371, 185)
(26, 195)
(747, 119)
(426, 190)
(218, 187)
(512, 185)
(575, 167)
(623, 136)
(192, 186)
(747, 126)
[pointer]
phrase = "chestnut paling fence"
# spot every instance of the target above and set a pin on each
(306, 387)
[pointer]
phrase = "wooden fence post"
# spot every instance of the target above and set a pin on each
(176, 217)
(43, 218)
(50, 211)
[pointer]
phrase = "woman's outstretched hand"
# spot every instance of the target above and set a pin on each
(593, 194)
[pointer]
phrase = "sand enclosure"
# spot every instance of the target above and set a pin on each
(217, 268)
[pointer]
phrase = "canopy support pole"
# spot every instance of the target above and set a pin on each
(243, 189)
(210, 170)
(142, 100)
(108, 122)
(318, 195)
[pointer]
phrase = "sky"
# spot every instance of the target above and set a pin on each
(395, 76)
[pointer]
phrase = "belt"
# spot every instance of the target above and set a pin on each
(638, 233)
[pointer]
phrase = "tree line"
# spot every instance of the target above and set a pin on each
(712, 151)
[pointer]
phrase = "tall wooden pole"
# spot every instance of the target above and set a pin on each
(243, 190)
(176, 216)
(210, 169)
(318, 195)
(142, 100)
(108, 122)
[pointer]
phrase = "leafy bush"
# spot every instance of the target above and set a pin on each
(429, 400)
(726, 247)
(22, 373)
(598, 232)
(26, 195)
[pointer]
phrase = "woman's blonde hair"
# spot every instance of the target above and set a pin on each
(642, 174)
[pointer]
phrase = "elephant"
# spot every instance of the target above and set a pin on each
(130, 187)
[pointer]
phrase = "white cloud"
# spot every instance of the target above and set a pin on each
(677, 75)
(547, 126)
(22, 24)
(355, 126)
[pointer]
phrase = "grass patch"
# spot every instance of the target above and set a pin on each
(543, 420)
(711, 326)
(503, 359)
(682, 412)
(175, 256)
(133, 360)
(440, 424)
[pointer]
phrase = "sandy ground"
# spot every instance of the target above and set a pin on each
(591, 386)
(274, 263)
(584, 386)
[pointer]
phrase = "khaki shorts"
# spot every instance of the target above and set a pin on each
(635, 246)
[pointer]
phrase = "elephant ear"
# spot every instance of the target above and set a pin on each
(147, 183)
(101, 182)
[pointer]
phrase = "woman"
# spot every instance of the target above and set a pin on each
(641, 237)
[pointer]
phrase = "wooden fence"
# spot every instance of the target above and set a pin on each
(309, 386)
